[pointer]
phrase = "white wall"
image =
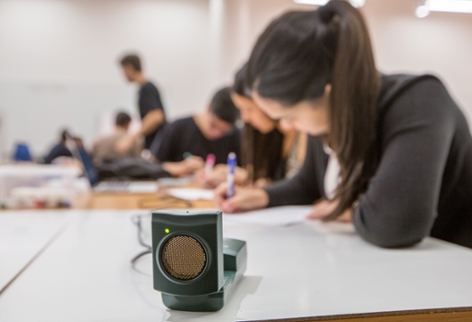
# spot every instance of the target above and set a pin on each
(58, 58)
(440, 44)
(59, 61)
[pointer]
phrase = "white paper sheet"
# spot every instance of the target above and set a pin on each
(277, 216)
(192, 194)
(176, 182)
(142, 187)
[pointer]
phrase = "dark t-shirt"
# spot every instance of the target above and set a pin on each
(149, 100)
(423, 182)
(184, 136)
(59, 150)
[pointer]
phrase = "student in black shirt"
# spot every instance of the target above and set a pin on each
(151, 110)
(392, 154)
(210, 132)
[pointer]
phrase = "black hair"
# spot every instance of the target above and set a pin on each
(298, 55)
(293, 59)
(239, 85)
(132, 60)
(261, 153)
(122, 119)
(222, 106)
(64, 135)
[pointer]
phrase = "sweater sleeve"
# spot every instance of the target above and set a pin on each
(303, 188)
(400, 205)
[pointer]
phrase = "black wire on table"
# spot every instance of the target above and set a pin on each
(163, 202)
(137, 220)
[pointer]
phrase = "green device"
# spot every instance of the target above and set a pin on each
(193, 266)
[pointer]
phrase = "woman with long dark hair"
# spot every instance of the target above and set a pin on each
(392, 153)
(269, 152)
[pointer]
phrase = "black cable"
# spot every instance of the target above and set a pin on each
(165, 201)
(134, 261)
(136, 219)
(135, 258)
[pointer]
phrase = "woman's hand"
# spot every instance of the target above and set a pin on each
(244, 199)
(326, 207)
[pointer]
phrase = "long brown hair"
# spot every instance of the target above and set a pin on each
(303, 51)
(261, 153)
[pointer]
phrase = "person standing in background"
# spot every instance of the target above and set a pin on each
(104, 147)
(151, 110)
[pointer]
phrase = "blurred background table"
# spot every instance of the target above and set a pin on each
(135, 201)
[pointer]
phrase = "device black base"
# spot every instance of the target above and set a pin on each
(202, 303)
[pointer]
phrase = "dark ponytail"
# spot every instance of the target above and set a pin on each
(298, 55)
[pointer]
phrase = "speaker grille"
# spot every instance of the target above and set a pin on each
(183, 257)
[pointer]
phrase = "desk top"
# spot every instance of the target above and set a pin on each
(23, 235)
(298, 271)
(132, 201)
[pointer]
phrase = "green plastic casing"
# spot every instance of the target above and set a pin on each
(226, 262)
(206, 227)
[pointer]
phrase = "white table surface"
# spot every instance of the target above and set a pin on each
(296, 271)
(23, 235)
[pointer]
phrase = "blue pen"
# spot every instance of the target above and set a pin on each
(230, 178)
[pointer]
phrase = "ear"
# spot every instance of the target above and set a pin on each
(209, 108)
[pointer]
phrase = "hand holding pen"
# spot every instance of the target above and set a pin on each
(209, 164)
(244, 199)
(231, 199)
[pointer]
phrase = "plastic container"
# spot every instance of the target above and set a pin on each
(37, 186)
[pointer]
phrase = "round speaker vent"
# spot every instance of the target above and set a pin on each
(184, 257)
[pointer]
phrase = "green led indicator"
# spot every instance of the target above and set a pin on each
(167, 230)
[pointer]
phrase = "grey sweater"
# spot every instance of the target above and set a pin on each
(423, 182)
